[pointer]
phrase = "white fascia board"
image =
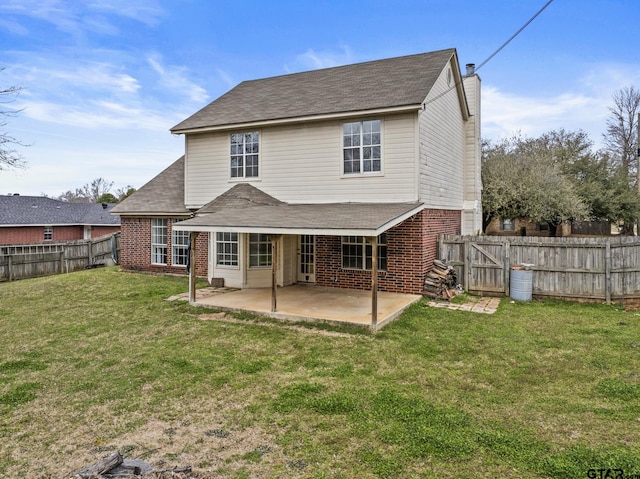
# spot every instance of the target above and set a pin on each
(303, 119)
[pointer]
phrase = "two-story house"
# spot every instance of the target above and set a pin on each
(318, 177)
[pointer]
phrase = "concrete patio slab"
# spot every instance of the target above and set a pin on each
(312, 303)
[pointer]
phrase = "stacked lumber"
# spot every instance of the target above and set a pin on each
(440, 281)
(114, 466)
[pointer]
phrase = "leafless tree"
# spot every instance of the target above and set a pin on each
(9, 157)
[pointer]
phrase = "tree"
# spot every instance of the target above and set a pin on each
(9, 157)
(621, 140)
(89, 193)
(522, 178)
(125, 192)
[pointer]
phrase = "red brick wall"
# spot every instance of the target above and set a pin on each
(411, 249)
(35, 234)
(135, 248)
(98, 231)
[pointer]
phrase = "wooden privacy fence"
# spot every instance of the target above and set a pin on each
(606, 269)
(30, 261)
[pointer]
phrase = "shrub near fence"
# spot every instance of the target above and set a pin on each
(606, 269)
(30, 261)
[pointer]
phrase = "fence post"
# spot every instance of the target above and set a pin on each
(467, 264)
(90, 246)
(507, 268)
(62, 261)
(10, 267)
(607, 271)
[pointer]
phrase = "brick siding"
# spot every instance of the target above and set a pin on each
(135, 248)
(411, 249)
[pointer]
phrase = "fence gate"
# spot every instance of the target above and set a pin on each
(481, 266)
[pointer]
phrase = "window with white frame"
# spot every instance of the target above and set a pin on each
(245, 149)
(357, 253)
(259, 250)
(507, 224)
(361, 152)
(227, 249)
(159, 241)
(179, 246)
(48, 233)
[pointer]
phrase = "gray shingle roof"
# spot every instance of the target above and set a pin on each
(333, 218)
(17, 210)
(240, 196)
(393, 82)
(163, 195)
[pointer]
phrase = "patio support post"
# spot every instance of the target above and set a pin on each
(274, 270)
(192, 266)
(374, 281)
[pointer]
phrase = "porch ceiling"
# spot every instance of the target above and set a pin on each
(334, 219)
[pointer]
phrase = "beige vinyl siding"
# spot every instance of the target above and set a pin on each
(303, 164)
(442, 147)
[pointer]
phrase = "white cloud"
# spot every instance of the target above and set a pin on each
(313, 60)
(584, 106)
(174, 78)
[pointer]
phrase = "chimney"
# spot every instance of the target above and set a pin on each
(471, 69)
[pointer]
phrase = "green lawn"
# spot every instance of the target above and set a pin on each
(96, 361)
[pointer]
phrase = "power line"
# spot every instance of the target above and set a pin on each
(455, 85)
(514, 35)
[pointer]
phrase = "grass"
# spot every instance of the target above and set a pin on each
(96, 361)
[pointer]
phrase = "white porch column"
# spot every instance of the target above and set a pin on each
(274, 271)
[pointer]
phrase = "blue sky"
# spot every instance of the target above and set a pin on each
(104, 80)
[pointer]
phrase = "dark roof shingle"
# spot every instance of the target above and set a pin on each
(18, 210)
(393, 82)
(164, 194)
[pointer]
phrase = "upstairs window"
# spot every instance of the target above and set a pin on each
(245, 148)
(361, 147)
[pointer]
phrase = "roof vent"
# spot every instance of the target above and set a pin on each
(104, 206)
(471, 69)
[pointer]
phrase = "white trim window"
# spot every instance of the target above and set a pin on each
(357, 253)
(227, 249)
(245, 149)
(179, 246)
(507, 224)
(361, 147)
(159, 241)
(48, 233)
(259, 250)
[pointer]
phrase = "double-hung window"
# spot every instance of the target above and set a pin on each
(259, 250)
(48, 233)
(357, 253)
(179, 246)
(159, 241)
(361, 152)
(227, 249)
(245, 149)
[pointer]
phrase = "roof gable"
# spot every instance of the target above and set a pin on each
(390, 83)
(164, 194)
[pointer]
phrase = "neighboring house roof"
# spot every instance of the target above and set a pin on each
(381, 84)
(164, 194)
(246, 209)
(18, 210)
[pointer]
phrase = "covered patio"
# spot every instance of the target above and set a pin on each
(313, 303)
